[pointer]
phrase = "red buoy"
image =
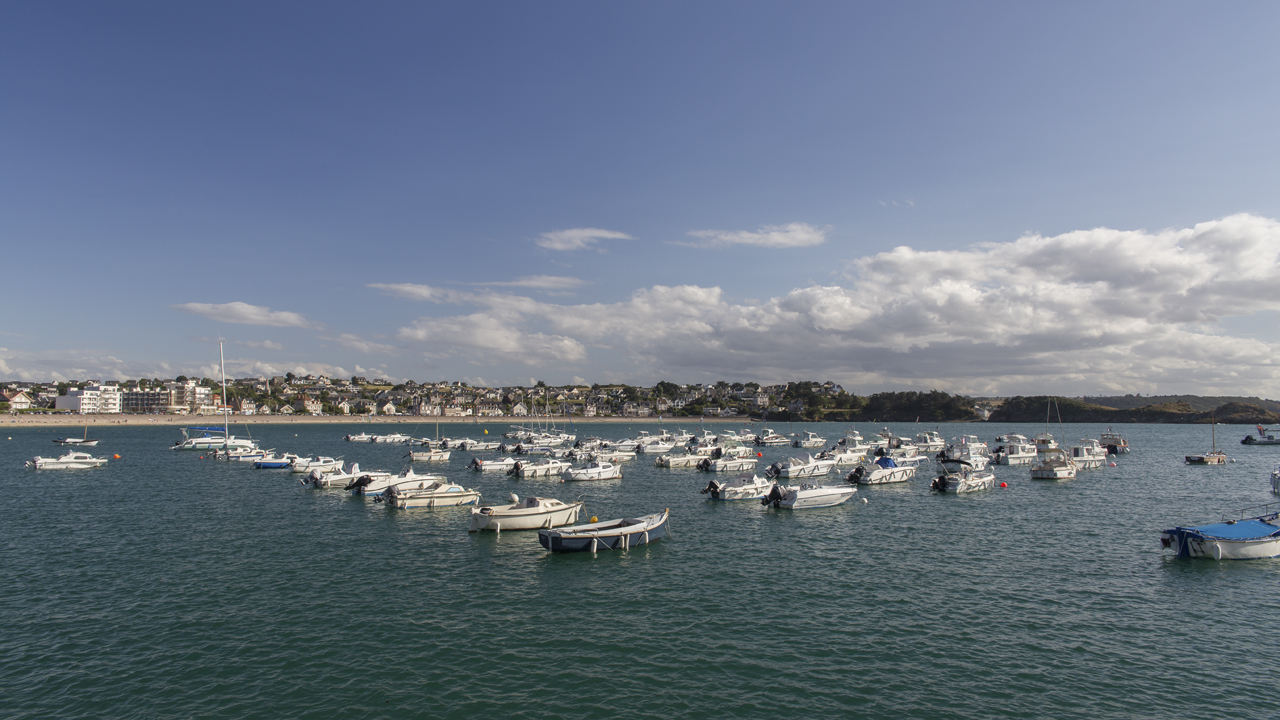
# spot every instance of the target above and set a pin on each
(116, 456)
(1004, 484)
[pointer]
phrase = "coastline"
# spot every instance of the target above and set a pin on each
(71, 420)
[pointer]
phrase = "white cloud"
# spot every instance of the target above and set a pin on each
(541, 282)
(1088, 311)
(578, 238)
(355, 342)
(264, 344)
(417, 292)
(246, 314)
(792, 235)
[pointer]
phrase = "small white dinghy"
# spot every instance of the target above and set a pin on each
(594, 470)
(532, 513)
(744, 487)
(805, 496)
(620, 534)
(70, 461)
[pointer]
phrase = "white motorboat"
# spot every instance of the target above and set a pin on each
(342, 478)
(241, 454)
(1053, 464)
(1089, 454)
(742, 487)
(1237, 538)
(372, 484)
(359, 437)
(71, 461)
(1044, 441)
(531, 513)
(428, 455)
(275, 461)
(392, 438)
(83, 441)
(805, 496)
(619, 534)
(550, 467)
(433, 493)
(594, 470)
(969, 449)
(626, 446)
(321, 463)
(883, 471)
(897, 446)
(503, 464)
(613, 456)
(727, 464)
(842, 455)
(1017, 450)
(958, 476)
(800, 468)
(476, 445)
(679, 460)
(655, 446)
(854, 442)
(769, 437)
(810, 440)
(930, 441)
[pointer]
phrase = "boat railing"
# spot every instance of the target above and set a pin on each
(1253, 511)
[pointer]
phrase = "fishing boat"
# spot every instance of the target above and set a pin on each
(884, 470)
(1113, 442)
(241, 454)
(958, 476)
(73, 460)
(78, 442)
(810, 440)
(805, 496)
(678, 460)
(391, 438)
(798, 468)
(1089, 454)
(727, 464)
(770, 438)
(620, 534)
(1248, 536)
(342, 478)
(476, 445)
(1213, 457)
(1054, 464)
(321, 463)
(930, 441)
(531, 513)
(969, 449)
(743, 487)
(428, 455)
(594, 470)
(433, 493)
(1264, 438)
(1016, 450)
(359, 437)
(374, 484)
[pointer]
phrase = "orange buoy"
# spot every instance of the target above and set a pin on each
(116, 456)
(759, 454)
(1004, 484)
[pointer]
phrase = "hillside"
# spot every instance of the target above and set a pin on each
(1032, 409)
(1198, 403)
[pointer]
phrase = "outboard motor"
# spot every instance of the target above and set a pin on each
(717, 453)
(939, 483)
(515, 470)
(774, 497)
(475, 463)
(314, 477)
(773, 470)
(704, 464)
(856, 476)
(359, 484)
(712, 487)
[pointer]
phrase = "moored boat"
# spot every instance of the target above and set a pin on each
(502, 465)
(594, 470)
(805, 496)
(1054, 464)
(71, 461)
(743, 487)
(437, 492)
(1113, 442)
(543, 468)
(884, 470)
(677, 460)
(800, 468)
(1089, 454)
(810, 440)
(531, 513)
(322, 463)
(958, 476)
(727, 464)
(620, 534)
(1240, 538)
(1213, 457)
(1264, 438)
(428, 455)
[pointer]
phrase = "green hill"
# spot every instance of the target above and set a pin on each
(1198, 403)
(1032, 409)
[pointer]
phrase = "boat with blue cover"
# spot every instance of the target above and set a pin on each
(1241, 538)
(620, 534)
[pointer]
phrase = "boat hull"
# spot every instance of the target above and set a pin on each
(434, 500)
(885, 476)
(606, 536)
(1245, 540)
(525, 520)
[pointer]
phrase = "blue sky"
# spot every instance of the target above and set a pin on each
(1082, 198)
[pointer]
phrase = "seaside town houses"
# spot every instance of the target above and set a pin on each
(321, 395)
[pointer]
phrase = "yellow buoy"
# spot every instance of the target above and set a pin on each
(594, 519)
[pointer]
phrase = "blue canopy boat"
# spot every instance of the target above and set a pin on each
(1243, 538)
(618, 534)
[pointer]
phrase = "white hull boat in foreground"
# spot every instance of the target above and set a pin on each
(620, 534)
(429, 494)
(959, 476)
(593, 470)
(797, 468)
(1242, 538)
(743, 487)
(804, 496)
(70, 461)
(882, 472)
(532, 513)
(727, 464)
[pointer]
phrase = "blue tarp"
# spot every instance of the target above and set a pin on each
(886, 462)
(1242, 530)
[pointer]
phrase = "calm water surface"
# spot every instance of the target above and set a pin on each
(165, 586)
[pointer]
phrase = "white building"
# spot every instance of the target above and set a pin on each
(191, 396)
(91, 400)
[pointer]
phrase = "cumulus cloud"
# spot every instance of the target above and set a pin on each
(246, 314)
(577, 238)
(418, 292)
(792, 235)
(1089, 311)
(355, 342)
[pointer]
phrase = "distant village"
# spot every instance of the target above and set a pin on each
(320, 395)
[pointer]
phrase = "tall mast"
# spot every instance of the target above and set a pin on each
(222, 360)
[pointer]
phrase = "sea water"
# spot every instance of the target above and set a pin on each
(169, 586)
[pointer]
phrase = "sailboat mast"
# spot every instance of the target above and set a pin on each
(226, 421)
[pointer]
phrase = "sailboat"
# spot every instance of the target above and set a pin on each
(78, 442)
(1213, 457)
(214, 438)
